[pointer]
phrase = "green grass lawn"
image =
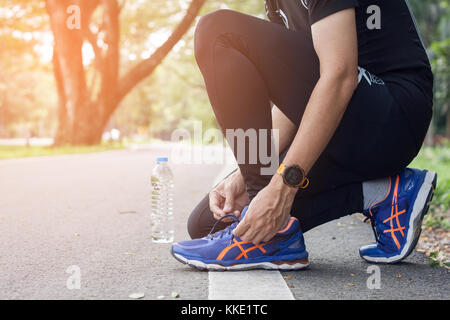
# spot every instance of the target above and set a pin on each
(438, 160)
(10, 152)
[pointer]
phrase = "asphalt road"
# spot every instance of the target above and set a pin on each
(92, 212)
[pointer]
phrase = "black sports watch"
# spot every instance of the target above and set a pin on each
(293, 176)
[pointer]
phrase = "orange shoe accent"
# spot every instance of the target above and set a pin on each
(258, 246)
(291, 221)
(243, 251)
(225, 251)
(395, 215)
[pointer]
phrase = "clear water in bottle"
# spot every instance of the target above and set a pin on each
(162, 202)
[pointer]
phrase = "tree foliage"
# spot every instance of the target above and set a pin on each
(85, 108)
(433, 17)
(117, 84)
(24, 110)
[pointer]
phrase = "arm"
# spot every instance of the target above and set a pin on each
(230, 196)
(335, 41)
(285, 126)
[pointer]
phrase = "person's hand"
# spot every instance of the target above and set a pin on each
(268, 212)
(230, 196)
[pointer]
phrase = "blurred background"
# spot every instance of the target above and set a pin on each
(104, 75)
(92, 75)
(116, 70)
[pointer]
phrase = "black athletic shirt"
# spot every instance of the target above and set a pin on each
(391, 49)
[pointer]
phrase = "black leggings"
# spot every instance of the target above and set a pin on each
(247, 63)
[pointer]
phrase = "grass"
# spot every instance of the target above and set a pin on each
(11, 152)
(438, 160)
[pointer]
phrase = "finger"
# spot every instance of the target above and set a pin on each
(237, 213)
(215, 200)
(241, 228)
(229, 201)
(217, 214)
(258, 238)
(264, 235)
(249, 235)
(269, 236)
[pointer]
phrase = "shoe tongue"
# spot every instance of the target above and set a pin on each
(244, 212)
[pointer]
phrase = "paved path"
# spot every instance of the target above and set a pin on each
(92, 211)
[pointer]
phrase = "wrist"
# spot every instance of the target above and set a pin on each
(278, 183)
(238, 178)
(293, 176)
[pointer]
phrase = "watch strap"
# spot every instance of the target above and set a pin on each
(302, 185)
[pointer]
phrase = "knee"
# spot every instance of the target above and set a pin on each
(208, 29)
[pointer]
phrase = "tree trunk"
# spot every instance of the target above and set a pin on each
(62, 134)
(82, 118)
(69, 72)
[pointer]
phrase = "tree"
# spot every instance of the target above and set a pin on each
(441, 66)
(433, 17)
(26, 98)
(86, 106)
(175, 95)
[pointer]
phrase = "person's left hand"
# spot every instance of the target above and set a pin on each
(268, 212)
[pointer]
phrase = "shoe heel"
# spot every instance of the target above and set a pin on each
(432, 179)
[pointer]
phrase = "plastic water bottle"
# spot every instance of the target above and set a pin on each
(162, 202)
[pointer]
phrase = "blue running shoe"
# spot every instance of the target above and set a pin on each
(397, 220)
(223, 251)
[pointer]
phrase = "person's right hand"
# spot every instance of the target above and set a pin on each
(230, 196)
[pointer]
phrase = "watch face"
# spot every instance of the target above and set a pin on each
(293, 175)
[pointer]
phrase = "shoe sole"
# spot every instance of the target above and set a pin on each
(290, 265)
(420, 209)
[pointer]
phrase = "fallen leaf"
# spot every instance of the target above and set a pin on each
(352, 274)
(399, 275)
(160, 297)
(175, 295)
(138, 295)
(287, 277)
(127, 212)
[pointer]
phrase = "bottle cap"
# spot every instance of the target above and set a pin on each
(162, 159)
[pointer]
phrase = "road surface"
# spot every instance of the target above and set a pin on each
(88, 215)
